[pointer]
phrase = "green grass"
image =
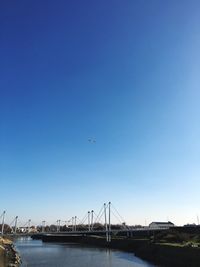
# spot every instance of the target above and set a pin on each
(185, 244)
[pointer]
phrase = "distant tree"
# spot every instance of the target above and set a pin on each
(47, 228)
(53, 228)
(64, 228)
(7, 228)
(39, 228)
(98, 226)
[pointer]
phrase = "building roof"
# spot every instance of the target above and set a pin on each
(163, 223)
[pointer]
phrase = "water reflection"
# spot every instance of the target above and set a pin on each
(38, 254)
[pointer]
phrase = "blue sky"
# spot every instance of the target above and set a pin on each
(125, 73)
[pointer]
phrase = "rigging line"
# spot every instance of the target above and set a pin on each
(99, 213)
(25, 224)
(78, 221)
(83, 221)
(10, 225)
(95, 218)
(82, 225)
(98, 219)
(117, 212)
(116, 217)
(68, 221)
(101, 222)
(95, 215)
(2, 214)
(77, 218)
(20, 222)
(84, 218)
(101, 217)
(102, 210)
(121, 224)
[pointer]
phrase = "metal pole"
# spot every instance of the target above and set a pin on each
(75, 223)
(15, 229)
(88, 220)
(92, 216)
(29, 225)
(3, 223)
(58, 225)
(109, 225)
(43, 226)
(66, 224)
(106, 222)
(72, 224)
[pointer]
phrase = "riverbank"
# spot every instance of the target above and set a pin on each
(166, 255)
(8, 255)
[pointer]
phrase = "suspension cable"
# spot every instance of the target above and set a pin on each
(118, 213)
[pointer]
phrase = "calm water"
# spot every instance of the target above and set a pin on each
(36, 253)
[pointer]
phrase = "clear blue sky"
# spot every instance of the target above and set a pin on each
(125, 73)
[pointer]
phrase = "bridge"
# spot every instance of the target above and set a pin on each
(91, 224)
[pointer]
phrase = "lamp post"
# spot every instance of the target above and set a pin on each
(92, 219)
(15, 229)
(109, 224)
(106, 226)
(88, 220)
(75, 223)
(3, 223)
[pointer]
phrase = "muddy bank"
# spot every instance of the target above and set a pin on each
(8, 255)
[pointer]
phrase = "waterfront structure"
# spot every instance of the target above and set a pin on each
(161, 225)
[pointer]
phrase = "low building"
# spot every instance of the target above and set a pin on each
(161, 225)
(190, 225)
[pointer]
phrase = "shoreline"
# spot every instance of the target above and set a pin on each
(158, 254)
(154, 253)
(8, 254)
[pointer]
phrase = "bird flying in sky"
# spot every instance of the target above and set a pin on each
(91, 140)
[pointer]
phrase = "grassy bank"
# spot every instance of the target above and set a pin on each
(167, 255)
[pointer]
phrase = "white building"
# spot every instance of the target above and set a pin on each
(161, 225)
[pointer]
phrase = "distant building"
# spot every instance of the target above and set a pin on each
(190, 225)
(161, 225)
(27, 229)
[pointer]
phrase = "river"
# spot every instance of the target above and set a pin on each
(35, 253)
